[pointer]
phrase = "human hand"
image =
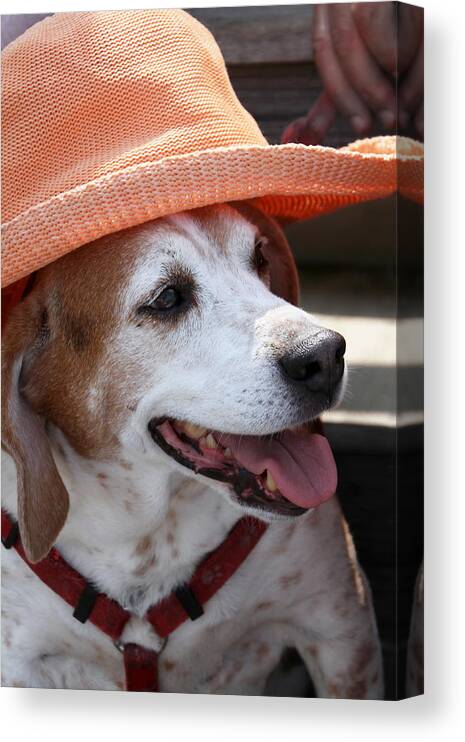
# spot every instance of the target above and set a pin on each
(361, 51)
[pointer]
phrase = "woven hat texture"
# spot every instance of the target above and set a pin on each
(111, 119)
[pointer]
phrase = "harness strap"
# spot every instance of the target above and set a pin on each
(210, 575)
(187, 601)
(141, 668)
(106, 614)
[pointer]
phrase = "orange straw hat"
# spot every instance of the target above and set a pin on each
(111, 119)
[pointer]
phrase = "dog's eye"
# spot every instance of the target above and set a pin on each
(170, 298)
(260, 262)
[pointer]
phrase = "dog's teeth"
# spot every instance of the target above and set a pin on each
(194, 431)
(270, 483)
(227, 453)
(210, 441)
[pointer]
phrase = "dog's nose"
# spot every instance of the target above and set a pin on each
(317, 364)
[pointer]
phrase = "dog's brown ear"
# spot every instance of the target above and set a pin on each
(42, 497)
(284, 278)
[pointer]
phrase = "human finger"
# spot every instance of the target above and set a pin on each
(312, 128)
(365, 76)
(376, 24)
(334, 80)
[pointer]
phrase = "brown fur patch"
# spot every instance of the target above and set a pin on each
(363, 657)
(62, 369)
(143, 545)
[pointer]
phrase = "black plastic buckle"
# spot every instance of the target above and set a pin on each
(189, 602)
(12, 537)
(85, 604)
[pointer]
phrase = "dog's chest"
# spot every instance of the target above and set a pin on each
(231, 648)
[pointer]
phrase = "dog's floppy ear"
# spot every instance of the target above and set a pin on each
(284, 278)
(42, 498)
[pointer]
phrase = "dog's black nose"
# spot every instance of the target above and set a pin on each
(317, 364)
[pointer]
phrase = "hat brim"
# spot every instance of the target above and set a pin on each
(288, 181)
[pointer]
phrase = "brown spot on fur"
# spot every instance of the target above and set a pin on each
(263, 605)
(357, 689)
(143, 545)
(262, 650)
(145, 566)
(169, 665)
(354, 683)
(102, 477)
(364, 655)
(312, 649)
(172, 518)
(127, 465)
(128, 505)
(291, 579)
(334, 690)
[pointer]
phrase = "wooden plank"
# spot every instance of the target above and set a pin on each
(260, 35)
(275, 94)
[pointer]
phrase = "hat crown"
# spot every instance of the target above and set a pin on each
(89, 94)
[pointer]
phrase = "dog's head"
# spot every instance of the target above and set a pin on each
(178, 339)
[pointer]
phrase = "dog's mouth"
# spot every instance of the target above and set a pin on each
(287, 473)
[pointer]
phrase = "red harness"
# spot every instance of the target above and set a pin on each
(187, 601)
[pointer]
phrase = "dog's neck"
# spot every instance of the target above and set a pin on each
(136, 529)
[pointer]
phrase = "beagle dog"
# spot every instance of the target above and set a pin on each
(134, 362)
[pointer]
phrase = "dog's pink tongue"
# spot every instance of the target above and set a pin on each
(301, 463)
